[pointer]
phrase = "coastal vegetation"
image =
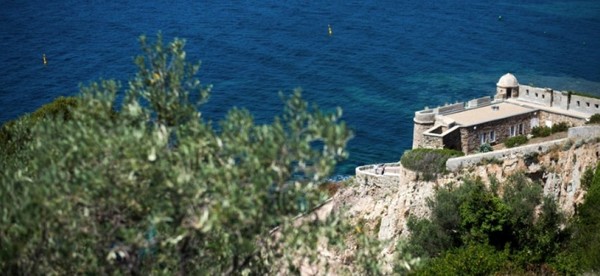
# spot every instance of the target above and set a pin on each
(594, 119)
(485, 147)
(428, 162)
(479, 230)
(146, 185)
(15, 134)
(544, 131)
(515, 141)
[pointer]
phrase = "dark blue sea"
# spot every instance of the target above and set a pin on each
(384, 61)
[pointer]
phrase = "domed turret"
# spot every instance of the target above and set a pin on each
(507, 87)
(508, 81)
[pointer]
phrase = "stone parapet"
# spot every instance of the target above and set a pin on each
(426, 116)
(455, 164)
(584, 104)
(365, 175)
(451, 108)
(584, 132)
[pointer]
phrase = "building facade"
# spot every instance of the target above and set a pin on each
(514, 110)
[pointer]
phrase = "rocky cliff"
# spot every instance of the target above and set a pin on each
(381, 204)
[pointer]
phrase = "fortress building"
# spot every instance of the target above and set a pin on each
(514, 110)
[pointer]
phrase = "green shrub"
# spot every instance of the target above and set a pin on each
(560, 127)
(586, 238)
(473, 259)
(156, 189)
(531, 158)
(515, 141)
(472, 218)
(544, 131)
(429, 162)
(595, 119)
(567, 145)
(15, 134)
(60, 107)
(541, 131)
(485, 147)
(587, 178)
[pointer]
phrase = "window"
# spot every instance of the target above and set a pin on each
(536, 95)
(492, 136)
(521, 129)
(588, 104)
(543, 96)
(527, 91)
(483, 138)
(512, 131)
(578, 103)
(596, 105)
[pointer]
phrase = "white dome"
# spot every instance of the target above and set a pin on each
(507, 81)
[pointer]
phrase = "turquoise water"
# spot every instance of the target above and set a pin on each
(384, 61)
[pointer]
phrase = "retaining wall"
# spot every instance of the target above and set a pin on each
(454, 164)
(584, 132)
(365, 175)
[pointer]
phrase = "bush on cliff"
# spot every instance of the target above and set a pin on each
(544, 131)
(541, 131)
(15, 134)
(515, 141)
(584, 248)
(473, 220)
(560, 127)
(155, 189)
(594, 119)
(428, 162)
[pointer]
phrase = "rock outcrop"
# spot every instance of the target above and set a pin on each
(381, 204)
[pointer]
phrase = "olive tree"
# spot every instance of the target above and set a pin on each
(148, 185)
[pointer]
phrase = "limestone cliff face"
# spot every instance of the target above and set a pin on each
(381, 204)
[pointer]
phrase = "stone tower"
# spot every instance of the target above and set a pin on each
(424, 120)
(507, 87)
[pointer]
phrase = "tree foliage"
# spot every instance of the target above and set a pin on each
(428, 162)
(500, 232)
(16, 134)
(148, 186)
(584, 248)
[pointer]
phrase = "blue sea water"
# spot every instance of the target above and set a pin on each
(384, 61)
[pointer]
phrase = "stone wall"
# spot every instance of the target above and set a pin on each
(470, 140)
(452, 108)
(432, 141)
(549, 118)
(585, 104)
(536, 95)
(418, 136)
(584, 132)
(366, 176)
(483, 101)
(561, 100)
(454, 164)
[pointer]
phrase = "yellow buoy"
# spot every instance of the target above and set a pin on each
(329, 30)
(44, 59)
